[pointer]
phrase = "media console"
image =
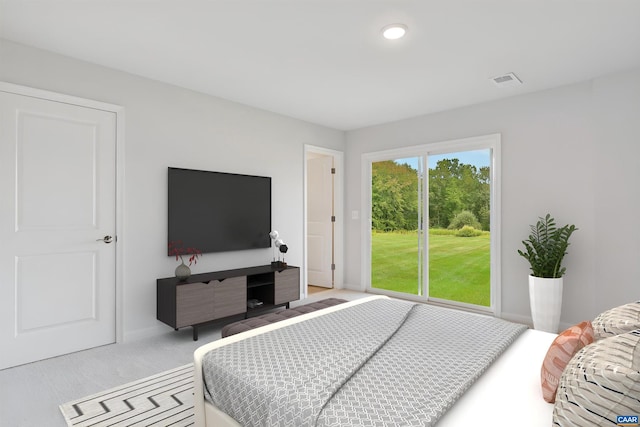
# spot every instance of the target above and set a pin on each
(210, 296)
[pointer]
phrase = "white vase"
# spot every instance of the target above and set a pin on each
(183, 272)
(545, 296)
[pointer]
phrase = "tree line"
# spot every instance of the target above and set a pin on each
(454, 188)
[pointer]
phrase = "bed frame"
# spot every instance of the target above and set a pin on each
(507, 394)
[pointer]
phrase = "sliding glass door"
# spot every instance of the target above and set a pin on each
(460, 227)
(432, 233)
(396, 225)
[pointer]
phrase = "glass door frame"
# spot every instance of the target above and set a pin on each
(491, 142)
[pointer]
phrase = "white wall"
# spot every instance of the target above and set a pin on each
(574, 152)
(169, 126)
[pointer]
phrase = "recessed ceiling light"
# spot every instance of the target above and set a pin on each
(394, 31)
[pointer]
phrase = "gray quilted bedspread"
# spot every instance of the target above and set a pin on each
(381, 363)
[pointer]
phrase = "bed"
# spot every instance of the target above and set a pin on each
(498, 387)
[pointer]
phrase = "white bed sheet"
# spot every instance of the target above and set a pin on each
(507, 394)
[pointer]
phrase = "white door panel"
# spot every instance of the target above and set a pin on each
(317, 243)
(319, 225)
(57, 176)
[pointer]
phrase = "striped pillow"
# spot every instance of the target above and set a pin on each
(617, 321)
(562, 349)
(600, 382)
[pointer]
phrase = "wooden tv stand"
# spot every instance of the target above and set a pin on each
(210, 296)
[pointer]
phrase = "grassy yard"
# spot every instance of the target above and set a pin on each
(459, 267)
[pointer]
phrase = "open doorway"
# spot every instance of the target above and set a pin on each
(323, 219)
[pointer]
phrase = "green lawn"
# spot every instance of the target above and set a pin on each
(459, 267)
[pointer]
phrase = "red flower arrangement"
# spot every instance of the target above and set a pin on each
(176, 249)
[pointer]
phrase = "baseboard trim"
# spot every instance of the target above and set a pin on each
(139, 334)
(517, 318)
(526, 320)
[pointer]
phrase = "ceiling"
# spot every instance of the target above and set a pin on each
(324, 61)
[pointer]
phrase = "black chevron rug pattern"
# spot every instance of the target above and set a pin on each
(164, 399)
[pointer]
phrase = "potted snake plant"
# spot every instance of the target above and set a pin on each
(545, 250)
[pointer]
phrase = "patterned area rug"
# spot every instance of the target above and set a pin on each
(165, 399)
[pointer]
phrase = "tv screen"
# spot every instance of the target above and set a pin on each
(219, 212)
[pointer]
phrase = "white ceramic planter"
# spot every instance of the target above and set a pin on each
(545, 296)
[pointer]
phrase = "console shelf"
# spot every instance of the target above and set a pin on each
(215, 295)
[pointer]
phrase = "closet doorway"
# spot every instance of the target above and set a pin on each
(323, 224)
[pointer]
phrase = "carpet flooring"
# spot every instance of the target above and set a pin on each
(165, 399)
(31, 394)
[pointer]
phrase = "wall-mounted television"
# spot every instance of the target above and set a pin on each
(219, 212)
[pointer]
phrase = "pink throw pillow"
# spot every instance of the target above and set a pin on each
(562, 349)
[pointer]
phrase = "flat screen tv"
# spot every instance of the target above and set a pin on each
(219, 212)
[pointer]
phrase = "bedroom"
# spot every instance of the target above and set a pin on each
(579, 128)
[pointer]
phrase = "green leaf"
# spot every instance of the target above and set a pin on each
(546, 247)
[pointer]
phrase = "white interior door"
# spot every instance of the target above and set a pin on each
(319, 223)
(58, 185)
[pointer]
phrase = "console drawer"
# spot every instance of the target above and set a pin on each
(194, 304)
(229, 296)
(287, 285)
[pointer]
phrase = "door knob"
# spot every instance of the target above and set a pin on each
(106, 239)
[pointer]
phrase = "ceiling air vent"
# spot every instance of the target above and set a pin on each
(505, 80)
